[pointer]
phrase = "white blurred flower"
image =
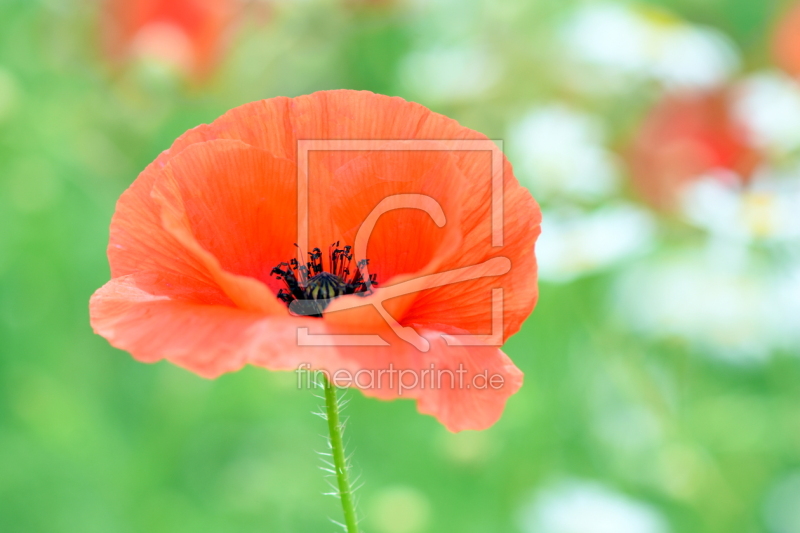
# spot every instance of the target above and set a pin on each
(722, 304)
(577, 243)
(450, 73)
(789, 301)
(768, 105)
(559, 151)
(693, 57)
(608, 35)
(768, 209)
(587, 507)
(646, 45)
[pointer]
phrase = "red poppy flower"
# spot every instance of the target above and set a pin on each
(786, 41)
(185, 33)
(202, 247)
(683, 137)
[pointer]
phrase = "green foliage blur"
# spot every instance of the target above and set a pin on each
(92, 441)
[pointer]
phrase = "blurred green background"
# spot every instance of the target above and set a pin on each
(662, 388)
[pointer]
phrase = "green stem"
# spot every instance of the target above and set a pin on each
(339, 461)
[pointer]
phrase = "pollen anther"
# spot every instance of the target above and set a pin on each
(314, 288)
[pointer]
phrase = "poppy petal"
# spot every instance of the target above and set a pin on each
(410, 190)
(233, 207)
(463, 387)
(467, 305)
(156, 316)
(137, 238)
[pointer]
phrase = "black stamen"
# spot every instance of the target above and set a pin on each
(313, 288)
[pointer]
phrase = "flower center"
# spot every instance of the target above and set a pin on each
(310, 288)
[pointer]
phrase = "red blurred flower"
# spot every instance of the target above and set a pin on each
(188, 34)
(201, 245)
(685, 136)
(786, 41)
